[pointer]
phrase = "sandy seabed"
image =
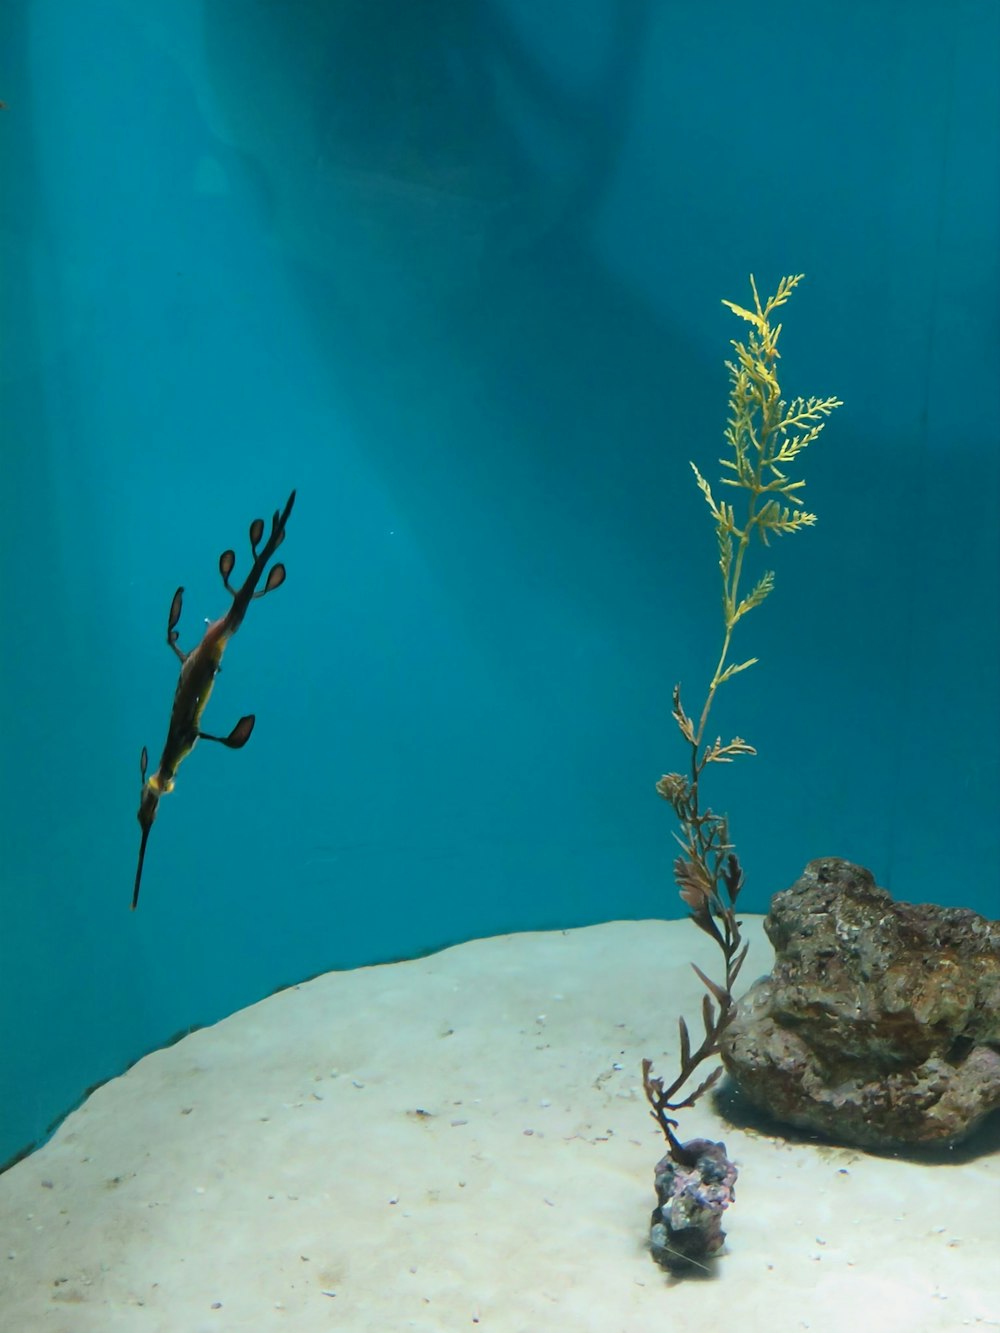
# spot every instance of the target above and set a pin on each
(462, 1142)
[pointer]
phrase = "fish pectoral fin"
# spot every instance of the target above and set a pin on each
(239, 735)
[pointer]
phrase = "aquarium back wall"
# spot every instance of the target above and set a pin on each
(454, 272)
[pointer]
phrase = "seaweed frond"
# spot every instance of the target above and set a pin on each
(765, 434)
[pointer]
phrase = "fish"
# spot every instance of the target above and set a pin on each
(199, 668)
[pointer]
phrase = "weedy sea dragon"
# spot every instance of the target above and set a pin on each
(198, 670)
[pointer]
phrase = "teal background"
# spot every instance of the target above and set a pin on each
(454, 271)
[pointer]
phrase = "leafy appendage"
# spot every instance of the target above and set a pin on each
(736, 667)
(681, 718)
(763, 586)
(772, 518)
(718, 753)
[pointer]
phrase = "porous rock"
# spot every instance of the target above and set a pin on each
(686, 1226)
(880, 1022)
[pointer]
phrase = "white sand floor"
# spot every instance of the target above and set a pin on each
(462, 1142)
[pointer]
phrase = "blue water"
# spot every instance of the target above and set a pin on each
(454, 271)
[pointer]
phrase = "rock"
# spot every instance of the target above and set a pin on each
(691, 1197)
(880, 1023)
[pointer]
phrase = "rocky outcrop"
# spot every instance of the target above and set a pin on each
(880, 1022)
